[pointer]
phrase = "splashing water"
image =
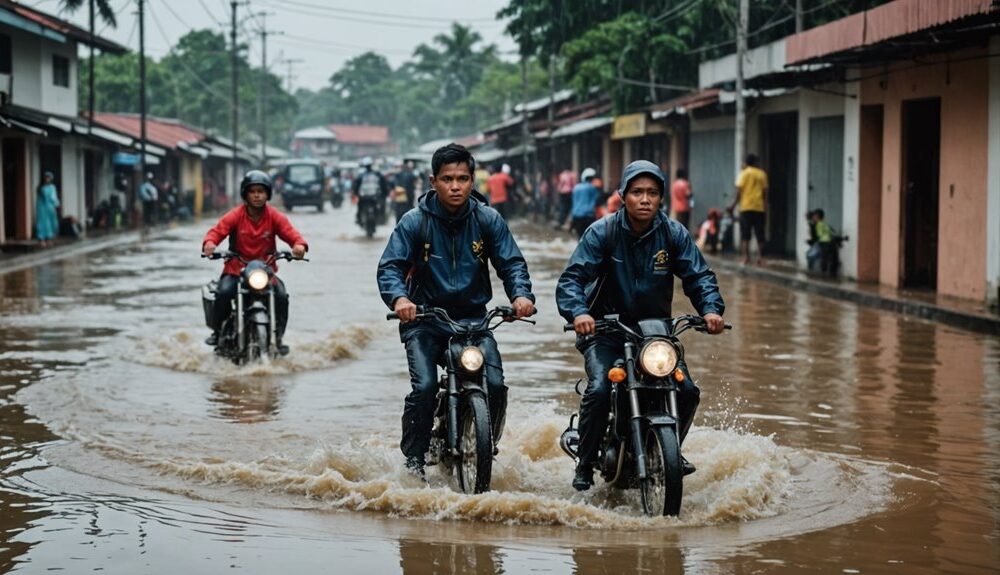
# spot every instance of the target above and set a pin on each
(181, 351)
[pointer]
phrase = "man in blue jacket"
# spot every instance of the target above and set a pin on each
(437, 256)
(625, 264)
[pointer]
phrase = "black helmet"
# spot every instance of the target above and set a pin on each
(255, 178)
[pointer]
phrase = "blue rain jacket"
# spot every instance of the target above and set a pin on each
(613, 270)
(447, 267)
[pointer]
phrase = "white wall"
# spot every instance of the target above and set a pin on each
(59, 99)
(72, 179)
(993, 179)
(26, 65)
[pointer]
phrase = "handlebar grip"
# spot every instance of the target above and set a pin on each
(569, 327)
(729, 326)
(391, 316)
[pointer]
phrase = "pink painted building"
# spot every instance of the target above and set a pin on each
(927, 117)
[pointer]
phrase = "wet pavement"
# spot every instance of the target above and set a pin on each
(831, 437)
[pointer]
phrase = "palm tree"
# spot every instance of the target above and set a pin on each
(108, 16)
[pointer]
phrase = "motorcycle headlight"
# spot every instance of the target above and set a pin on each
(258, 279)
(658, 358)
(471, 359)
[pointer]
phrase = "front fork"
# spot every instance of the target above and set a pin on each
(273, 327)
(636, 421)
(453, 398)
(241, 333)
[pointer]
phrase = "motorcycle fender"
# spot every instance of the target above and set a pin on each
(257, 314)
(472, 386)
(660, 420)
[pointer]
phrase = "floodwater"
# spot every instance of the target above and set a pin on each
(831, 438)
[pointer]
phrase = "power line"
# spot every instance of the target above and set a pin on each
(387, 15)
(288, 6)
(210, 14)
(319, 42)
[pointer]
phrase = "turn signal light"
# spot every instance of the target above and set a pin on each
(616, 374)
(679, 376)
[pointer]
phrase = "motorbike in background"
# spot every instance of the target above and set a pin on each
(462, 437)
(249, 333)
(641, 446)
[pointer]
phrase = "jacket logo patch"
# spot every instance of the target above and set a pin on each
(477, 248)
(660, 261)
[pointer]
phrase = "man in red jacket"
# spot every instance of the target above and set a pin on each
(251, 229)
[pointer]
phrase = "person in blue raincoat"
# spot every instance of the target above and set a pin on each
(46, 217)
(438, 256)
(625, 264)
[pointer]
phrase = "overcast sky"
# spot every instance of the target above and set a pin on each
(322, 33)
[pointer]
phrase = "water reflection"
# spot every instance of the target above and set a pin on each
(429, 558)
(616, 561)
(247, 399)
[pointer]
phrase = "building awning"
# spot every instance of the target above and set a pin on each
(684, 104)
(578, 127)
(853, 39)
(32, 20)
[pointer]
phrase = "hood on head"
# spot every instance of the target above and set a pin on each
(639, 168)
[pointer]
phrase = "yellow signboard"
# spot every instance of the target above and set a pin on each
(629, 126)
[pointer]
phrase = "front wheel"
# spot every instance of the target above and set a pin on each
(475, 445)
(664, 484)
(369, 225)
(257, 349)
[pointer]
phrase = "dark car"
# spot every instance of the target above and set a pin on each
(302, 184)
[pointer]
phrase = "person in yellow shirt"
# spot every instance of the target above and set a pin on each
(751, 195)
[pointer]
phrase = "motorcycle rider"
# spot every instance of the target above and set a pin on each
(625, 264)
(438, 256)
(251, 229)
(370, 186)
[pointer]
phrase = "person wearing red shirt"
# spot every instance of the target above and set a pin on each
(500, 184)
(252, 229)
(680, 199)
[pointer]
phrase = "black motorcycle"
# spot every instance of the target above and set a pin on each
(462, 436)
(371, 213)
(249, 334)
(641, 447)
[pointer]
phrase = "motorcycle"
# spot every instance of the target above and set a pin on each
(462, 436)
(336, 196)
(641, 447)
(249, 334)
(371, 212)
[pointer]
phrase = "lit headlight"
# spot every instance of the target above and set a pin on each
(471, 359)
(658, 358)
(258, 279)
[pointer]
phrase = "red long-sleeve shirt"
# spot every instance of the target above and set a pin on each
(254, 240)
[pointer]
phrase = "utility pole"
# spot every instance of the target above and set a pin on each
(235, 114)
(524, 123)
(261, 111)
(142, 90)
(741, 53)
(90, 80)
(290, 62)
(798, 16)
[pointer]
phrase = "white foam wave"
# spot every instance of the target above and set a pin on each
(183, 351)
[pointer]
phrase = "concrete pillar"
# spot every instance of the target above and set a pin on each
(851, 200)
(993, 180)
(802, 177)
(575, 155)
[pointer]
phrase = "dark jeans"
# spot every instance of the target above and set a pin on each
(685, 219)
(226, 292)
(752, 223)
(599, 355)
(580, 224)
(565, 206)
(424, 345)
(149, 212)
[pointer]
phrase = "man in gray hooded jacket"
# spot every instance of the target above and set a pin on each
(625, 264)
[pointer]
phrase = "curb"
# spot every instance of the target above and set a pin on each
(981, 323)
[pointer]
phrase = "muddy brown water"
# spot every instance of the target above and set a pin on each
(830, 439)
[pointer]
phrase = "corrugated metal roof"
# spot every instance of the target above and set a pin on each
(880, 24)
(354, 134)
(61, 26)
(166, 133)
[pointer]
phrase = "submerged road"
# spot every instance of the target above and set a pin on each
(831, 438)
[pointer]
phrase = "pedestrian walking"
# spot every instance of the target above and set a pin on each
(680, 199)
(584, 202)
(500, 184)
(567, 180)
(751, 196)
(46, 216)
(148, 194)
